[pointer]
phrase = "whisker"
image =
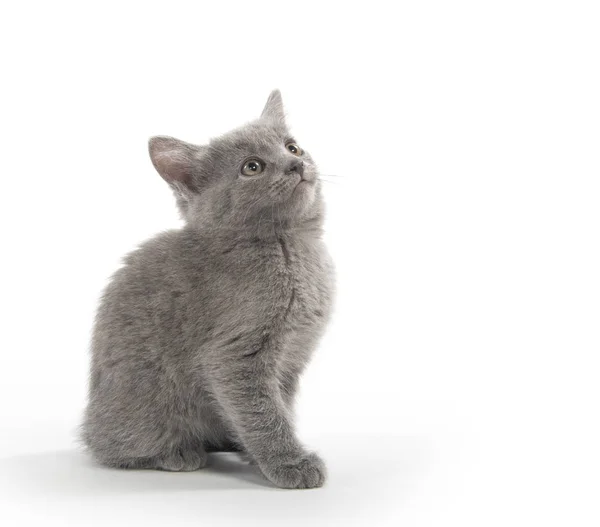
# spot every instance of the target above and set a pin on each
(327, 181)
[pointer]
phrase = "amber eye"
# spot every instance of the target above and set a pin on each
(294, 149)
(253, 167)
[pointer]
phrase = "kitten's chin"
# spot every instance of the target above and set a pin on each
(303, 195)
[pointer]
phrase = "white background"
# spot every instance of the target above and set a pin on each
(458, 383)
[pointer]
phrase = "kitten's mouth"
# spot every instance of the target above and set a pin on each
(302, 183)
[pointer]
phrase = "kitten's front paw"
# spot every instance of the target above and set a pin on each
(307, 471)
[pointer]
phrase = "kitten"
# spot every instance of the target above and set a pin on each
(200, 338)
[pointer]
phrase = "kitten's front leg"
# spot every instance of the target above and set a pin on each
(249, 393)
(289, 387)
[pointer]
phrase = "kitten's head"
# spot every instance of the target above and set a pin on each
(256, 173)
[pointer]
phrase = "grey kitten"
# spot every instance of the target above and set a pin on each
(201, 336)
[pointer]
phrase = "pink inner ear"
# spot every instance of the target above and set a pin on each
(176, 161)
(174, 164)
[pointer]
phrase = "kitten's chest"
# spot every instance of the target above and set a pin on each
(291, 279)
(308, 271)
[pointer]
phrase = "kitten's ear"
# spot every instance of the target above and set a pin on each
(176, 161)
(273, 110)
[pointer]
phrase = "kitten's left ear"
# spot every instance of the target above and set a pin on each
(179, 164)
(176, 161)
(273, 110)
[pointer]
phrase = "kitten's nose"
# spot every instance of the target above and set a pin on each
(297, 165)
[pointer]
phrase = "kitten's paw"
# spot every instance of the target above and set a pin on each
(307, 471)
(182, 461)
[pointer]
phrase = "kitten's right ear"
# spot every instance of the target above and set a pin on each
(176, 161)
(273, 110)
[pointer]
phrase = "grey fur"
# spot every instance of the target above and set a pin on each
(201, 336)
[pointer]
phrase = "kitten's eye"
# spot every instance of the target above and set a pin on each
(253, 167)
(294, 149)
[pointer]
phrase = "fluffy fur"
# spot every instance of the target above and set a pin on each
(201, 336)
